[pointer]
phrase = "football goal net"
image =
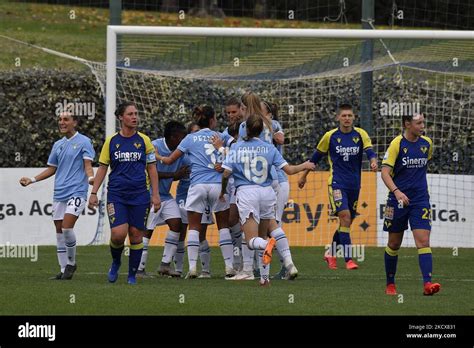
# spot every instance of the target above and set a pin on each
(308, 73)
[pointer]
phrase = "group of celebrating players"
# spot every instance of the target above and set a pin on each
(237, 179)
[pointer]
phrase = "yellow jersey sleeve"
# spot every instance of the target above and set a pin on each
(392, 152)
(430, 151)
(323, 145)
(366, 142)
(149, 149)
(104, 158)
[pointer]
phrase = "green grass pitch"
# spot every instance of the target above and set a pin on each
(317, 291)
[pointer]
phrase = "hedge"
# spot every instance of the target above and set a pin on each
(29, 127)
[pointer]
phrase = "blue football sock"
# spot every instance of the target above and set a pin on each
(391, 260)
(425, 258)
(345, 241)
(136, 251)
(116, 251)
(335, 243)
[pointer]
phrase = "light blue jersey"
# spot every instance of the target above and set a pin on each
(267, 137)
(183, 185)
(282, 177)
(68, 157)
(251, 161)
(203, 156)
(165, 184)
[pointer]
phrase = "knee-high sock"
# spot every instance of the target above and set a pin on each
(179, 257)
(425, 259)
(225, 243)
(61, 251)
(264, 269)
(70, 239)
(282, 245)
(205, 256)
(237, 244)
(144, 258)
(116, 251)
(171, 246)
(345, 239)
(193, 248)
(136, 251)
(391, 259)
(257, 243)
(247, 255)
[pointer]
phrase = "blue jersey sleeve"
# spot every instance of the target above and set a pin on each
(87, 150)
(226, 138)
(276, 127)
(185, 144)
(242, 130)
(278, 160)
(316, 156)
(53, 157)
(229, 161)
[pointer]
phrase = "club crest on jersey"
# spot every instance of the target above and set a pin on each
(117, 146)
(405, 150)
(110, 209)
(355, 139)
(337, 195)
(389, 211)
(137, 145)
(423, 149)
(74, 146)
(338, 140)
(387, 223)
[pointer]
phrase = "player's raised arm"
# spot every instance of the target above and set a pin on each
(171, 159)
(48, 172)
(317, 155)
(291, 170)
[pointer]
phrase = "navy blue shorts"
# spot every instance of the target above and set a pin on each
(133, 215)
(397, 216)
(343, 199)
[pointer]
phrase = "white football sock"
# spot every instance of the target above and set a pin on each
(171, 246)
(247, 255)
(70, 241)
(225, 243)
(257, 243)
(282, 246)
(193, 248)
(205, 256)
(179, 257)
(237, 245)
(61, 251)
(144, 258)
(264, 269)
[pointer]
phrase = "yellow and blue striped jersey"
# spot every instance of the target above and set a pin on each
(344, 151)
(408, 162)
(128, 158)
